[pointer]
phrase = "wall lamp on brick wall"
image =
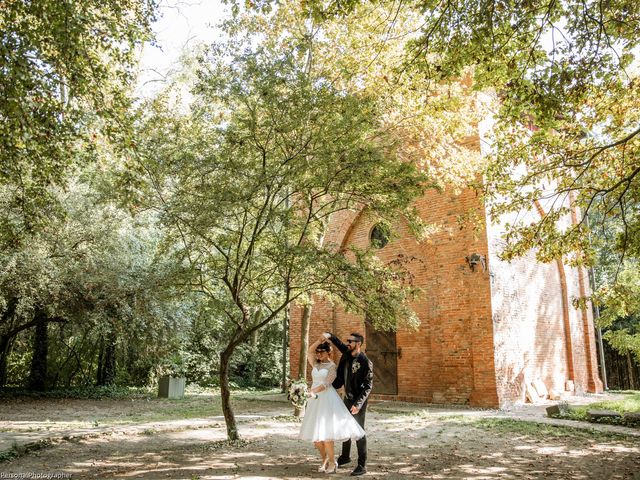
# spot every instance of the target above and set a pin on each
(476, 259)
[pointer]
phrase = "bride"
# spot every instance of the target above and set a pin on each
(326, 419)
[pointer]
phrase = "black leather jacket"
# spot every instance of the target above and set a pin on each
(355, 374)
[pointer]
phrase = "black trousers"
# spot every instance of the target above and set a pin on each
(362, 443)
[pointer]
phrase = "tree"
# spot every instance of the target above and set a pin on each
(364, 54)
(65, 74)
(247, 180)
(616, 291)
(85, 286)
(430, 122)
(621, 315)
(65, 70)
(566, 109)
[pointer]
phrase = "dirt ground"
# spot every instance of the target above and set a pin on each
(405, 442)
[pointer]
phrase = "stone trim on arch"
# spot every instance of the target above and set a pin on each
(352, 226)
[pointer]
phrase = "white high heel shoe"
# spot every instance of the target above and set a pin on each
(323, 467)
(332, 470)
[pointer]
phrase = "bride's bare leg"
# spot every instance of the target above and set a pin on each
(330, 456)
(321, 448)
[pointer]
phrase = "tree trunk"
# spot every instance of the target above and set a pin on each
(621, 369)
(6, 340)
(304, 346)
(285, 341)
(109, 367)
(100, 362)
(225, 394)
(107, 360)
(5, 349)
(38, 377)
(632, 377)
(304, 342)
(253, 341)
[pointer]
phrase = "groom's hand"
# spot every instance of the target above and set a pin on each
(326, 335)
(354, 410)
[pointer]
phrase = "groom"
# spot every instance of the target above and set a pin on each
(355, 372)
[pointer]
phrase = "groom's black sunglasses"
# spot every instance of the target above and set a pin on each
(352, 341)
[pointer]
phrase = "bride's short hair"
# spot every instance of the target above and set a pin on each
(324, 347)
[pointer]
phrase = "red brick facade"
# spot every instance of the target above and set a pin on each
(483, 333)
(538, 333)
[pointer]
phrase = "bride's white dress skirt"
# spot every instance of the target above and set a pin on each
(326, 418)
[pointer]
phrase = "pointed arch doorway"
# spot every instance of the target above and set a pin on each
(383, 352)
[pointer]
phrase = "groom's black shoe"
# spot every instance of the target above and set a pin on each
(359, 470)
(343, 461)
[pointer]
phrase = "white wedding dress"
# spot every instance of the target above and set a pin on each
(326, 418)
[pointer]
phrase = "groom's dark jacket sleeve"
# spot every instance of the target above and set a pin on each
(364, 379)
(339, 381)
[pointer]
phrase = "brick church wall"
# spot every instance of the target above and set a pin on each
(483, 333)
(449, 359)
(529, 324)
(587, 376)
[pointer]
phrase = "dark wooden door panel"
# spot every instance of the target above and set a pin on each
(383, 353)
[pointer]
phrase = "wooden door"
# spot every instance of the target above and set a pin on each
(383, 353)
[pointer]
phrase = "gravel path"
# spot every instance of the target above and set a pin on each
(405, 441)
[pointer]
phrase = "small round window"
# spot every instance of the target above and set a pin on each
(380, 235)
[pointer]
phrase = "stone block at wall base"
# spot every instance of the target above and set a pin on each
(599, 415)
(559, 410)
(531, 394)
(541, 388)
(553, 395)
(598, 386)
(632, 418)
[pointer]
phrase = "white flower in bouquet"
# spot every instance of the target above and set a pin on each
(297, 393)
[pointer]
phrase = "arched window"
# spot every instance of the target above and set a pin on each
(379, 236)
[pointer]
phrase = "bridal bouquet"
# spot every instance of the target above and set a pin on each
(297, 394)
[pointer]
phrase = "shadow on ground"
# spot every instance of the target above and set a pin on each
(405, 442)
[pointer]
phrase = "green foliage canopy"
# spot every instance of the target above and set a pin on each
(248, 180)
(65, 71)
(567, 117)
(253, 175)
(97, 275)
